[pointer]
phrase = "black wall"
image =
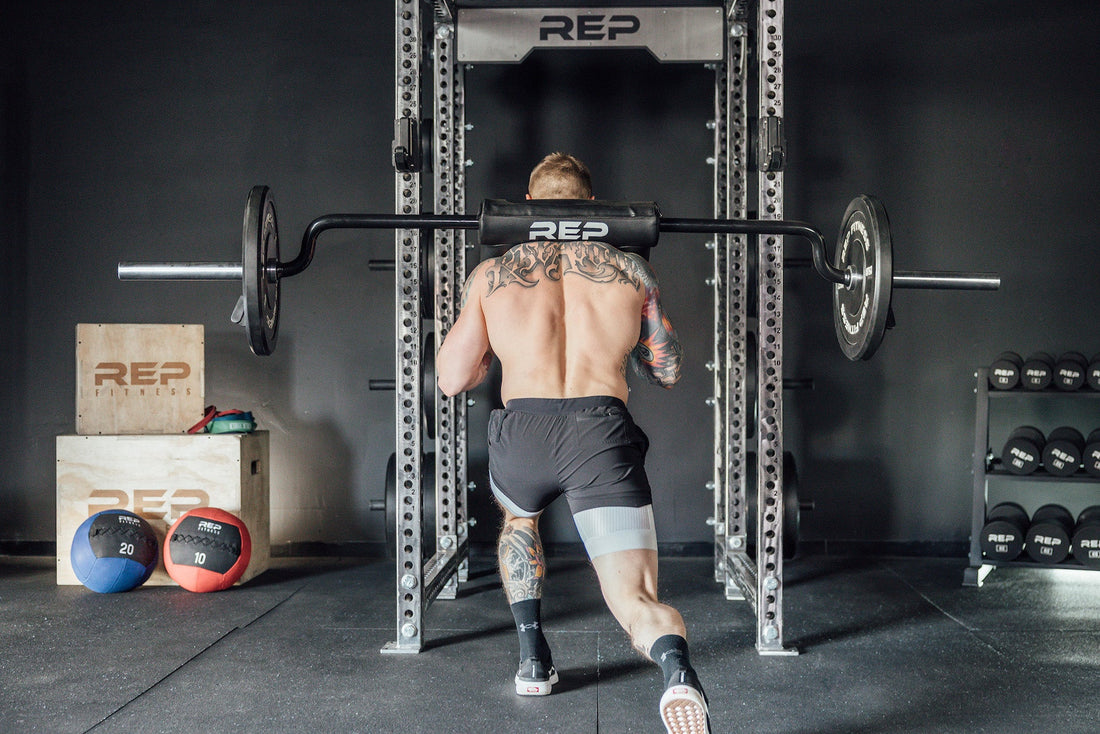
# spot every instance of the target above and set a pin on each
(134, 134)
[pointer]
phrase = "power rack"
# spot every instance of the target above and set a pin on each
(742, 42)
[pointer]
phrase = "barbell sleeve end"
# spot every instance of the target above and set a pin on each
(950, 281)
(180, 271)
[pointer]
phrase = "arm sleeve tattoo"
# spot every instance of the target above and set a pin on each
(658, 349)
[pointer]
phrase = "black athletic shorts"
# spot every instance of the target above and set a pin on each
(588, 449)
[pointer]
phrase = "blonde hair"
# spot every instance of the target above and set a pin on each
(560, 176)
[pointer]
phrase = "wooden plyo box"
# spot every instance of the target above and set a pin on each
(161, 478)
(139, 378)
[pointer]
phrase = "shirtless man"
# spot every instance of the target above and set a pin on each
(565, 319)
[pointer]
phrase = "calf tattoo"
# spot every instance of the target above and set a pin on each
(522, 564)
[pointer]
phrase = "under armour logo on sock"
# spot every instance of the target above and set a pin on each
(528, 627)
(666, 653)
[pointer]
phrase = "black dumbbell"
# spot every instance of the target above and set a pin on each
(1070, 370)
(1092, 375)
(1086, 537)
(1090, 457)
(1023, 450)
(1004, 373)
(1049, 534)
(1038, 371)
(1003, 534)
(1063, 451)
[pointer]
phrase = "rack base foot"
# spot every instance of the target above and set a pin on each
(975, 575)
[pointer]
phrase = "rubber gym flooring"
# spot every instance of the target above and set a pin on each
(887, 645)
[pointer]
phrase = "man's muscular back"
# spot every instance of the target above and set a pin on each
(564, 318)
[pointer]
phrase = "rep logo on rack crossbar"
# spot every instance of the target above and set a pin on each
(587, 27)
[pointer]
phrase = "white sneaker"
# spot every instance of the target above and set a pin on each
(533, 679)
(684, 711)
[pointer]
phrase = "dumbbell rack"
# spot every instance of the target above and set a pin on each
(980, 567)
(747, 60)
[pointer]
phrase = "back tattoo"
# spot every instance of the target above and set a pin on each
(527, 264)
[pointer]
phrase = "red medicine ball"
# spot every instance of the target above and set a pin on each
(207, 550)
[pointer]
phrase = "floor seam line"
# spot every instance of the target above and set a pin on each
(190, 660)
(972, 632)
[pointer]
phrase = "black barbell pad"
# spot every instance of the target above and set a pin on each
(627, 225)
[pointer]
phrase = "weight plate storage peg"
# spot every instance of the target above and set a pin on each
(1003, 534)
(1069, 371)
(1091, 454)
(259, 262)
(1063, 451)
(1086, 537)
(1049, 534)
(861, 310)
(1038, 371)
(1023, 451)
(1004, 373)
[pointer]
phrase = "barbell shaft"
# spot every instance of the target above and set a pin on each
(913, 279)
(180, 271)
(933, 280)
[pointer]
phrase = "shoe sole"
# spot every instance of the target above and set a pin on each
(536, 687)
(684, 711)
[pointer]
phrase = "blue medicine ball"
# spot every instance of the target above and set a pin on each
(114, 550)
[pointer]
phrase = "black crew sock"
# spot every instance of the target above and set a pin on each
(671, 653)
(532, 643)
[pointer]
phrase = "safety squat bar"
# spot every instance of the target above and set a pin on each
(442, 39)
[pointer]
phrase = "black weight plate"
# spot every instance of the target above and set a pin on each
(427, 274)
(792, 507)
(752, 402)
(427, 385)
(861, 310)
(427, 505)
(259, 257)
(391, 506)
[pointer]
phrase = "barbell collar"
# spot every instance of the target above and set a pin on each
(946, 281)
(180, 271)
